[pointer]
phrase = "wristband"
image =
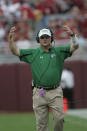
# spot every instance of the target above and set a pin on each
(74, 40)
(72, 35)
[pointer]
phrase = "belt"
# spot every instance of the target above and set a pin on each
(46, 88)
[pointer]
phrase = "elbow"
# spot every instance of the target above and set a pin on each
(74, 48)
(14, 52)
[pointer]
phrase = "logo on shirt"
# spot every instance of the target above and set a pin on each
(41, 57)
(52, 55)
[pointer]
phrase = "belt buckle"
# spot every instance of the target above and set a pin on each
(39, 87)
(55, 87)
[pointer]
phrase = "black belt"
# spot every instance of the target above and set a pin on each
(46, 88)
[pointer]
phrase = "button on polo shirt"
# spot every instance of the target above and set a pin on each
(46, 67)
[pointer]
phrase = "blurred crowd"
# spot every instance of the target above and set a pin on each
(30, 15)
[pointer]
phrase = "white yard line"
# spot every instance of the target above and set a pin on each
(82, 113)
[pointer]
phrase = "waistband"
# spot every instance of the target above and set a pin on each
(46, 88)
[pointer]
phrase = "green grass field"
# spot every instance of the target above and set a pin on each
(26, 122)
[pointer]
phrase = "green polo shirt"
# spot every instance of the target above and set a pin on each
(46, 67)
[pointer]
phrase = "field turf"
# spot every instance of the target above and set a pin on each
(26, 122)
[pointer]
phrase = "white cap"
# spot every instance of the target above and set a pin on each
(44, 32)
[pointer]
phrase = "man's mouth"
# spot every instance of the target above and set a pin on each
(45, 41)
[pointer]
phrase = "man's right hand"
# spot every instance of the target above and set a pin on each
(11, 34)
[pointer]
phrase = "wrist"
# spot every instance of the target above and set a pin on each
(10, 39)
(74, 40)
(72, 34)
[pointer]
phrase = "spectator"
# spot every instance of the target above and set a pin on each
(67, 84)
(23, 43)
(26, 11)
(2, 32)
(65, 6)
(58, 33)
(46, 6)
(23, 30)
(1, 13)
(83, 25)
(79, 3)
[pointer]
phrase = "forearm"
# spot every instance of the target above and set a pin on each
(13, 46)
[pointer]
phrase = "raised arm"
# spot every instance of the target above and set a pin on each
(14, 49)
(74, 44)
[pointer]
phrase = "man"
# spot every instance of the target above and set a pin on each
(46, 64)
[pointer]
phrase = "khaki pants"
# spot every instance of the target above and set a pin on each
(52, 99)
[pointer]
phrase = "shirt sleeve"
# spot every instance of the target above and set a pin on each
(64, 51)
(26, 55)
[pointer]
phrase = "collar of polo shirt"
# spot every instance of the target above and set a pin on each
(42, 51)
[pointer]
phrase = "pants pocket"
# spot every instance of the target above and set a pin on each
(34, 90)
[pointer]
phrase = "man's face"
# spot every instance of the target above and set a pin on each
(45, 40)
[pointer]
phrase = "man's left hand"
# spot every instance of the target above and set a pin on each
(68, 30)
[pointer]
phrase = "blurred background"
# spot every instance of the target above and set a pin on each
(29, 16)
